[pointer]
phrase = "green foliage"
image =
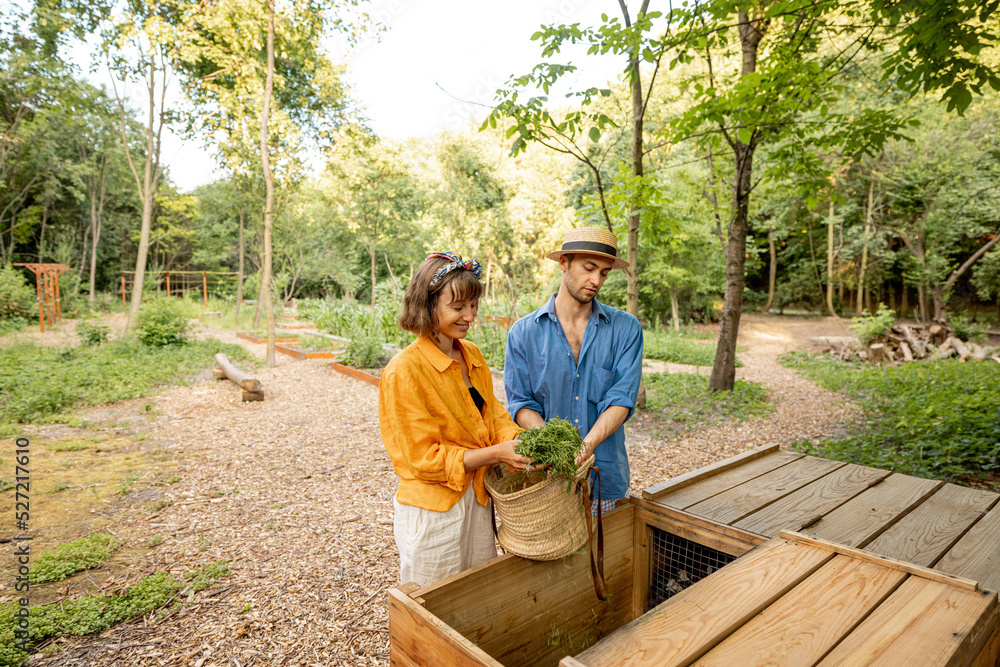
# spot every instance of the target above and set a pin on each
(350, 318)
(94, 613)
(39, 381)
(668, 346)
(967, 330)
(684, 398)
(873, 328)
(85, 553)
(207, 575)
(555, 445)
(929, 419)
(162, 323)
(491, 339)
(365, 347)
(92, 332)
(17, 300)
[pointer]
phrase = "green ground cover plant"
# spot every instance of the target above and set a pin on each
(38, 382)
(685, 401)
(555, 445)
(678, 349)
(94, 613)
(938, 420)
(85, 553)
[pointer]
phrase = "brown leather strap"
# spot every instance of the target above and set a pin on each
(493, 522)
(596, 567)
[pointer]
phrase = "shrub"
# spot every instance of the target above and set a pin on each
(161, 323)
(17, 299)
(873, 328)
(491, 339)
(92, 332)
(967, 330)
(933, 419)
(364, 349)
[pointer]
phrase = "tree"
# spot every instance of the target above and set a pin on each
(374, 194)
(240, 53)
(789, 57)
(138, 46)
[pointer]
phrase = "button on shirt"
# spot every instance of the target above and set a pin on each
(541, 375)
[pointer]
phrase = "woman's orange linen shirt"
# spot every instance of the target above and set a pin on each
(428, 421)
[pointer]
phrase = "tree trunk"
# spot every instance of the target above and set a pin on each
(371, 255)
(96, 215)
(269, 188)
(772, 273)
(829, 264)
(632, 245)
(242, 251)
(859, 306)
(675, 316)
(724, 369)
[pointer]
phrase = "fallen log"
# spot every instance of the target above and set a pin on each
(905, 349)
(919, 348)
(961, 348)
(245, 381)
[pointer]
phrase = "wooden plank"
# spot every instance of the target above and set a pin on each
(883, 561)
(809, 620)
(641, 538)
(399, 659)
(811, 501)
(670, 518)
(423, 639)
(679, 482)
(989, 655)
(701, 535)
(866, 516)
(735, 503)
(570, 661)
(525, 612)
(924, 623)
(926, 533)
(709, 486)
(977, 554)
(689, 624)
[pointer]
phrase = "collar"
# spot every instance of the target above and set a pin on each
(438, 359)
(550, 309)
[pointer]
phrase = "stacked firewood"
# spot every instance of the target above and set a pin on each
(912, 342)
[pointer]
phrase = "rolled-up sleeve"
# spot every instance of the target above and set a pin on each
(624, 389)
(516, 379)
(416, 443)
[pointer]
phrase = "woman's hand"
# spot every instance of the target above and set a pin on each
(499, 453)
(505, 454)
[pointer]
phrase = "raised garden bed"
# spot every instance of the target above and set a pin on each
(355, 373)
(308, 354)
(278, 339)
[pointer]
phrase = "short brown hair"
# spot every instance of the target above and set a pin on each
(421, 299)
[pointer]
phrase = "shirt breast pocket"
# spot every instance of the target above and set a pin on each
(601, 381)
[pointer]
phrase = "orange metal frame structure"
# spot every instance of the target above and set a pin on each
(47, 287)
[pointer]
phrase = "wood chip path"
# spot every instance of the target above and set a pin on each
(296, 493)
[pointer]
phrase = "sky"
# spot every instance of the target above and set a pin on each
(435, 67)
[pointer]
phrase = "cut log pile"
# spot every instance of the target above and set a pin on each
(251, 388)
(907, 343)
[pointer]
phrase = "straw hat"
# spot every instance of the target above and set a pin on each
(591, 241)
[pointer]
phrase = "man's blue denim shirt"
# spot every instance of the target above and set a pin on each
(540, 374)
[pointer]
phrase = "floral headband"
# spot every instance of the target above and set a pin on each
(454, 262)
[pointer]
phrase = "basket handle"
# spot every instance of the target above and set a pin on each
(596, 567)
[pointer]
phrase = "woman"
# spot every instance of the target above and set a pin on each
(442, 426)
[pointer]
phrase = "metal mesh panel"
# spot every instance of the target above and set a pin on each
(676, 563)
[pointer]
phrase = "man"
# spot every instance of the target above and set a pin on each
(579, 359)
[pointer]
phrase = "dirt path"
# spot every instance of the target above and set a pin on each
(295, 492)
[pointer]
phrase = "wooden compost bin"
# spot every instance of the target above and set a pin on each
(679, 543)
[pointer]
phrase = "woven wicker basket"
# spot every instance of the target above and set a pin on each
(542, 521)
